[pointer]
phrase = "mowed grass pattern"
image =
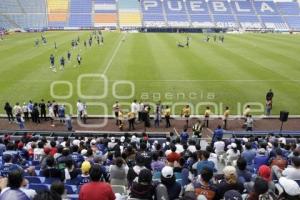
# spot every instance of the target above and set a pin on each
(240, 70)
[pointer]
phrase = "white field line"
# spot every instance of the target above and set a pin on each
(171, 80)
(114, 54)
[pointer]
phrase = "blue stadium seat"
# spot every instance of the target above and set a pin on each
(71, 189)
(39, 187)
(35, 179)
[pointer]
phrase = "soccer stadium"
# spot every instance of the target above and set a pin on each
(149, 99)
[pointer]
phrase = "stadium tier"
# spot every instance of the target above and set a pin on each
(235, 14)
(105, 13)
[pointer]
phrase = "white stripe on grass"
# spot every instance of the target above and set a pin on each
(114, 54)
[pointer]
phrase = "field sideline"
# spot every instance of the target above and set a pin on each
(238, 71)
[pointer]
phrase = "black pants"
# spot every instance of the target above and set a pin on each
(26, 115)
(168, 124)
(43, 114)
(117, 118)
(206, 120)
(225, 124)
(131, 124)
(10, 116)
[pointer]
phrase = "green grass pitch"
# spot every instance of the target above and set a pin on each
(240, 70)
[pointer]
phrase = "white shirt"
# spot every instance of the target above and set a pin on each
(192, 148)
(79, 106)
(179, 148)
(134, 107)
(219, 146)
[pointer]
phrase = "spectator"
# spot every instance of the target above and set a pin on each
(47, 195)
(249, 155)
(84, 177)
(278, 163)
(134, 171)
(203, 184)
(173, 156)
(71, 172)
(118, 172)
(51, 172)
(205, 163)
(145, 154)
(168, 179)
(244, 175)
(229, 183)
(143, 188)
(14, 190)
(233, 195)
(58, 187)
(184, 135)
(265, 173)
(96, 189)
(293, 171)
(232, 154)
(156, 164)
(288, 189)
(260, 159)
(219, 146)
(8, 166)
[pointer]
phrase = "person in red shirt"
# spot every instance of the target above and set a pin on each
(173, 156)
(96, 189)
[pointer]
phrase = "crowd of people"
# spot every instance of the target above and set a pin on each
(138, 112)
(176, 168)
(40, 112)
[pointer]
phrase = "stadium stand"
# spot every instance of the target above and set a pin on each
(58, 13)
(23, 14)
(105, 13)
(176, 13)
(129, 13)
(174, 162)
(153, 13)
(234, 14)
(80, 13)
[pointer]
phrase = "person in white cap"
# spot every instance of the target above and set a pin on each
(232, 154)
(288, 189)
(112, 143)
(169, 180)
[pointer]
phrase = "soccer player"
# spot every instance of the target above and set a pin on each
(69, 56)
(78, 59)
(98, 40)
(62, 63)
(36, 42)
(269, 95)
(188, 41)
(55, 46)
(215, 38)
(84, 43)
(52, 60)
(102, 39)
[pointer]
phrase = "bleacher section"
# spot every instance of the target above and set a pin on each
(176, 13)
(105, 13)
(25, 14)
(234, 14)
(80, 13)
(153, 14)
(58, 13)
(129, 13)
